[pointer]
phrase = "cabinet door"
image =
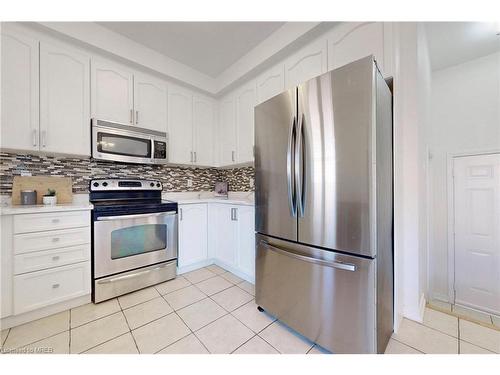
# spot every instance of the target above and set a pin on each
(19, 98)
(112, 92)
(354, 40)
(245, 104)
(204, 128)
(245, 216)
(227, 131)
(193, 235)
(180, 125)
(305, 64)
(225, 235)
(64, 100)
(270, 83)
(150, 103)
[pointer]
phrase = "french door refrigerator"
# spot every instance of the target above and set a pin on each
(324, 208)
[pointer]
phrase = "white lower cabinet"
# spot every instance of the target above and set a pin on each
(225, 234)
(193, 238)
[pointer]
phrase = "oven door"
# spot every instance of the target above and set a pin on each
(126, 242)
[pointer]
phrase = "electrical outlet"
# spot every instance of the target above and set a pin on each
(25, 173)
(189, 183)
(252, 182)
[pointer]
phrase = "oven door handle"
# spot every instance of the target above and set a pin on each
(136, 216)
(132, 275)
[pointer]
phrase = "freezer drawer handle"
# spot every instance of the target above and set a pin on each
(138, 216)
(336, 264)
(131, 276)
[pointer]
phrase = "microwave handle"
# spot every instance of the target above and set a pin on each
(136, 216)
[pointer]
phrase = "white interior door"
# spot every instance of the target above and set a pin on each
(477, 231)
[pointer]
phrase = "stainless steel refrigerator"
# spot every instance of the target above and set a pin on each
(324, 208)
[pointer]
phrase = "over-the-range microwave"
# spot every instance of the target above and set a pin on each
(128, 144)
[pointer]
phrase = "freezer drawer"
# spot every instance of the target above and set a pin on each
(326, 296)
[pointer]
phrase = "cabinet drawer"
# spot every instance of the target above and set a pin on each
(49, 221)
(38, 289)
(40, 260)
(52, 239)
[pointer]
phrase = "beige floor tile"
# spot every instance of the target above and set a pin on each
(57, 344)
(97, 332)
(215, 269)
(188, 345)
(396, 347)
(316, 349)
(256, 346)
(285, 340)
(146, 312)
(232, 298)
(440, 304)
(232, 278)
(123, 344)
(171, 286)
(160, 333)
(213, 285)
(224, 335)
(134, 298)
(89, 312)
(201, 313)
(247, 287)
(472, 314)
(473, 333)
(253, 318)
(426, 339)
(442, 322)
(184, 297)
(3, 336)
(198, 275)
(467, 348)
(496, 320)
(37, 330)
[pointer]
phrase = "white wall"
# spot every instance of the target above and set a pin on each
(465, 116)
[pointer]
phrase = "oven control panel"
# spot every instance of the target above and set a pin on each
(110, 184)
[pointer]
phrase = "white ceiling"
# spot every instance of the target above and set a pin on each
(452, 43)
(209, 47)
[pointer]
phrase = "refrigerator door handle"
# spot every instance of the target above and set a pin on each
(299, 166)
(290, 167)
(334, 264)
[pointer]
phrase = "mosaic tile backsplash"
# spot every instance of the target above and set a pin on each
(174, 179)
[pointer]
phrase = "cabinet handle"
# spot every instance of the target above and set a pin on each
(232, 155)
(55, 239)
(44, 136)
(234, 216)
(136, 117)
(55, 220)
(194, 156)
(191, 160)
(55, 286)
(54, 258)
(35, 136)
(131, 116)
(180, 214)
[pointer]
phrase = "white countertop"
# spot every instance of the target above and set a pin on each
(80, 203)
(238, 198)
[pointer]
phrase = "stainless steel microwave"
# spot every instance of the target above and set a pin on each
(129, 144)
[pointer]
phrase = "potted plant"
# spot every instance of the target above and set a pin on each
(50, 197)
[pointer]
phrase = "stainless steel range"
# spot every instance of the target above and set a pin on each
(134, 236)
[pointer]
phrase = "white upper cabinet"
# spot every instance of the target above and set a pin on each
(193, 234)
(270, 83)
(180, 125)
(150, 102)
(19, 96)
(203, 130)
(112, 92)
(227, 131)
(354, 40)
(245, 104)
(307, 63)
(64, 100)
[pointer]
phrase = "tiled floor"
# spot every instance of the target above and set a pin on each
(466, 313)
(213, 311)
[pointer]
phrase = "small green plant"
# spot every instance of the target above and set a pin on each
(50, 193)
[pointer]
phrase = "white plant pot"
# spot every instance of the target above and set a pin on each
(49, 201)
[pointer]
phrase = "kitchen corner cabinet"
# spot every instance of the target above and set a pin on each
(64, 100)
(204, 111)
(307, 63)
(245, 104)
(227, 131)
(193, 234)
(180, 125)
(20, 87)
(150, 102)
(112, 94)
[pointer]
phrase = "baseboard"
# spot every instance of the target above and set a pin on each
(15, 320)
(235, 271)
(422, 305)
(194, 266)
